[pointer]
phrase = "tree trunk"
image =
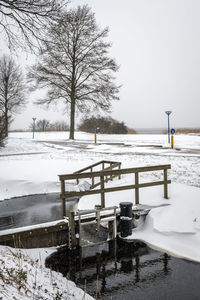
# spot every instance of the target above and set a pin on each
(6, 124)
(6, 106)
(72, 119)
(72, 113)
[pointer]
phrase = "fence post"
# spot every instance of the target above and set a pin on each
(102, 193)
(80, 232)
(119, 169)
(63, 199)
(136, 188)
(111, 177)
(98, 219)
(165, 184)
(72, 235)
(92, 177)
(103, 167)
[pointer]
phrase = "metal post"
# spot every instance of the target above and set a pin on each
(172, 141)
(33, 126)
(168, 112)
(95, 138)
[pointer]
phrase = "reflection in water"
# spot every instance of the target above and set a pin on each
(32, 209)
(126, 270)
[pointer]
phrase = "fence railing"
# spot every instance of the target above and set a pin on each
(102, 164)
(113, 173)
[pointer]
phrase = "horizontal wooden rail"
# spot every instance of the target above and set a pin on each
(101, 164)
(114, 172)
(90, 211)
(108, 172)
(94, 165)
(112, 189)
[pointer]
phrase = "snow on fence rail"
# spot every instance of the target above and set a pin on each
(104, 174)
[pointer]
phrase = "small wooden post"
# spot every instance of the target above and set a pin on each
(91, 169)
(119, 169)
(63, 199)
(102, 193)
(165, 184)
(136, 188)
(112, 227)
(98, 219)
(115, 224)
(80, 232)
(103, 167)
(111, 177)
(72, 235)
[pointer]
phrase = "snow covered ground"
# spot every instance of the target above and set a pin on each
(31, 166)
(23, 276)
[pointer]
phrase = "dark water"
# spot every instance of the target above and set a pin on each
(32, 209)
(119, 270)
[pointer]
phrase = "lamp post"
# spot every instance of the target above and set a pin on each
(33, 126)
(168, 112)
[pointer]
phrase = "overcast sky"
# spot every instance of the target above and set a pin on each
(157, 45)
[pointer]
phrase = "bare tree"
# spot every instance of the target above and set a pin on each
(22, 21)
(42, 125)
(12, 90)
(59, 126)
(75, 66)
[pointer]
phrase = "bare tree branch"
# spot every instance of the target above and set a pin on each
(23, 22)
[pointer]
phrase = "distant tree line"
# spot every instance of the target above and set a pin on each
(103, 125)
(46, 125)
(185, 131)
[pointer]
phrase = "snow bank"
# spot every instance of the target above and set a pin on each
(23, 277)
(174, 229)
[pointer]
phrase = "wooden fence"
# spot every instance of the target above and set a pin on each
(105, 174)
(102, 164)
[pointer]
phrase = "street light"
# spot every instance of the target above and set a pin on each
(168, 112)
(33, 126)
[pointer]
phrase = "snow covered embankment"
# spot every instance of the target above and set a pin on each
(23, 276)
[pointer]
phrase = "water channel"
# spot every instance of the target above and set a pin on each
(32, 209)
(111, 270)
(120, 270)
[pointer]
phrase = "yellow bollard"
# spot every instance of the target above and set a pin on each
(172, 141)
(95, 138)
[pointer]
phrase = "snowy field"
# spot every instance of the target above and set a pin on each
(31, 167)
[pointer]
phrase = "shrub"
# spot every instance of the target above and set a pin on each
(104, 125)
